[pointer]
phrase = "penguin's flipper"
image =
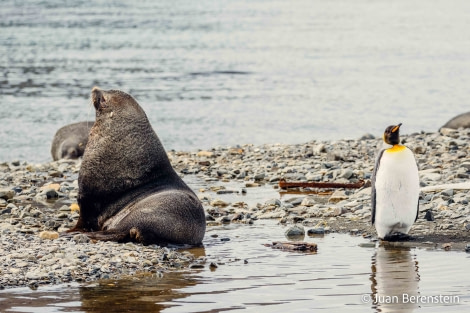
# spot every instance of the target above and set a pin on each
(372, 182)
(417, 211)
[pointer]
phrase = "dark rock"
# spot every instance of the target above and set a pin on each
(5, 211)
(316, 231)
(429, 216)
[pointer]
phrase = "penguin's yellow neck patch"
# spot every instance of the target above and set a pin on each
(396, 148)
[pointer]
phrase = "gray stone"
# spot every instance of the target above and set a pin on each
(295, 231)
(346, 173)
(81, 238)
(308, 201)
(273, 202)
(448, 192)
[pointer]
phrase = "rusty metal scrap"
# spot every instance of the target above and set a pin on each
(283, 184)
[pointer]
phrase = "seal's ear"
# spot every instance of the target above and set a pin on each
(97, 98)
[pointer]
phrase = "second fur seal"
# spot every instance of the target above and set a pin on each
(128, 190)
(461, 120)
(69, 141)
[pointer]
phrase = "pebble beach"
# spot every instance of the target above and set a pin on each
(39, 201)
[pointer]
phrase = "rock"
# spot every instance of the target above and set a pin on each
(318, 149)
(74, 207)
(56, 187)
(273, 202)
(337, 196)
(49, 193)
(339, 211)
(313, 176)
(419, 150)
(49, 235)
(446, 246)
(335, 156)
(308, 201)
(430, 176)
(206, 154)
(295, 200)
(346, 173)
(81, 238)
(219, 203)
(429, 216)
(7, 194)
(259, 177)
(316, 231)
(35, 275)
(448, 192)
(295, 231)
(224, 220)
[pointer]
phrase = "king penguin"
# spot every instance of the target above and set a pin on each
(395, 188)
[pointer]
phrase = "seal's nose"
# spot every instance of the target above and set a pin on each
(97, 97)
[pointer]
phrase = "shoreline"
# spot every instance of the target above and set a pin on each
(236, 185)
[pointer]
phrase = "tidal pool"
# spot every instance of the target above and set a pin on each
(346, 274)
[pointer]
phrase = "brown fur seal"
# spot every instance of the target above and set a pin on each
(128, 190)
(462, 120)
(70, 140)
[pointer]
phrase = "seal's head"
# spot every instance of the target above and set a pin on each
(110, 101)
(70, 150)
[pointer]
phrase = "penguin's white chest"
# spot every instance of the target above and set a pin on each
(397, 192)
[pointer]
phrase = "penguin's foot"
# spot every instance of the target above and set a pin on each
(398, 237)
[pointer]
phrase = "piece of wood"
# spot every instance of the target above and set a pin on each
(293, 246)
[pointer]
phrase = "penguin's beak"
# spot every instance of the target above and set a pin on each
(396, 128)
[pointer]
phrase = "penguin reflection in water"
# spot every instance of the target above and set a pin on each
(395, 188)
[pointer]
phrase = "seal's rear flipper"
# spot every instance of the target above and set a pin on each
(109, 235)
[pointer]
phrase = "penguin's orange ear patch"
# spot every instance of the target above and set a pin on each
(396, 148)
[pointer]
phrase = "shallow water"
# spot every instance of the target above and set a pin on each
(233, 72)
(342, 276)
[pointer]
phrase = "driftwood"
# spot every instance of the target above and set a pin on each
(283, 184)
(293, 246)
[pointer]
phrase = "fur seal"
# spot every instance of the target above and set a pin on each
(128, 190)
(70, 140)
(461, 120)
